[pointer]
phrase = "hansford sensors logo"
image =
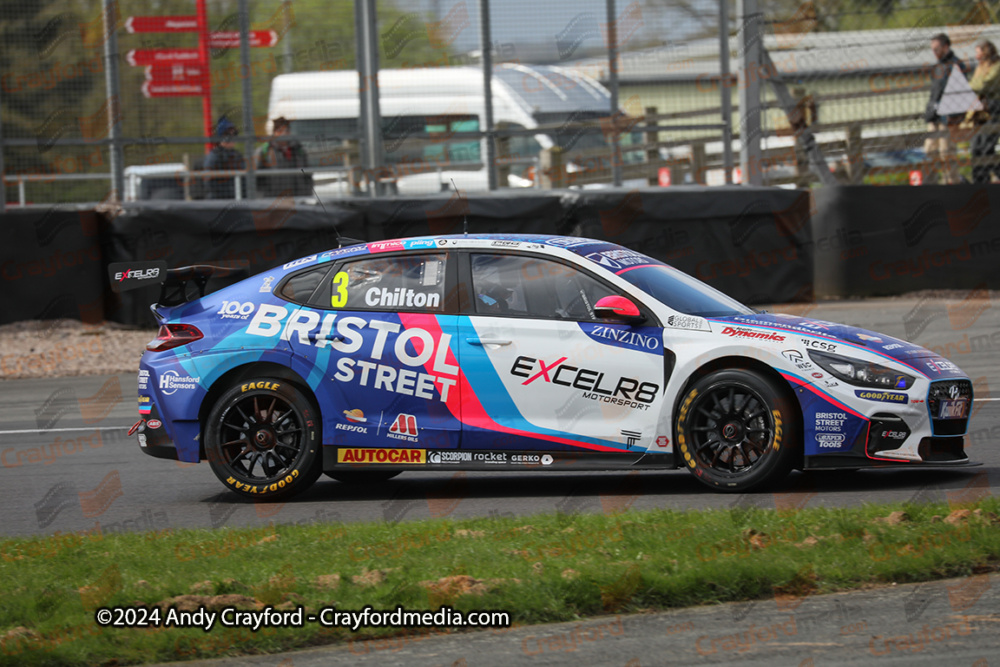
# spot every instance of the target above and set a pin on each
(171, 381)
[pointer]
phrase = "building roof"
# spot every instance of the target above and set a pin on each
(795, 54)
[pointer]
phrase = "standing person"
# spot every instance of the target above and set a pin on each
(282, 153)
(941, 148)
(986, 83)
(222, 157)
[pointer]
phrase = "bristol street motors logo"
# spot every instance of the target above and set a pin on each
(404, 428)
(356, 417)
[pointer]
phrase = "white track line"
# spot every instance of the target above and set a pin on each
(66, 430)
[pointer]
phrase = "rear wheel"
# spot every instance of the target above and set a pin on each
(263, 439)
(735, 431)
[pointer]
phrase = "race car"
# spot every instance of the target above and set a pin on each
(522, 352)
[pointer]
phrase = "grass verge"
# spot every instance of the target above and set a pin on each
(540, 569)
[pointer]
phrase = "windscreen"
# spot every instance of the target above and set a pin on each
(682, 292)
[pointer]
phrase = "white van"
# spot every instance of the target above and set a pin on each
(435, 103)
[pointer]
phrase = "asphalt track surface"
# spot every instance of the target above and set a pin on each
(101, 477)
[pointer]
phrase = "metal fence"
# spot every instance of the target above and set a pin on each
(101, 100)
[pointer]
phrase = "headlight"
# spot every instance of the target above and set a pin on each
(861, 373)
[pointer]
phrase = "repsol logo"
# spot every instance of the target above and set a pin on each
(588, 380)
(352, 427)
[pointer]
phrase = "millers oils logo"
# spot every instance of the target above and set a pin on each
(404, 428)
(358, 455)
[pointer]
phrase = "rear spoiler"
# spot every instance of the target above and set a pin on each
(174, 287)
(174, 283)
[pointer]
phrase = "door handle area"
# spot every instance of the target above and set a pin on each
(487, 341)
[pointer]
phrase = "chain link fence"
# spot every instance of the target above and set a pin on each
(102, 100)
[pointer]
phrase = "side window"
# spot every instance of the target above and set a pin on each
(407, 283)
(299, 288)
(533, 287)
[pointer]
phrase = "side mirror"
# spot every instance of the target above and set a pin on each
(618, 308)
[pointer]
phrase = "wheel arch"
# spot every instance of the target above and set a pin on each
(746, 364)
(249, 371)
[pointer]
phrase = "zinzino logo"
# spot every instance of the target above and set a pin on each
(627, 337)
(137, 274)
(749, 333)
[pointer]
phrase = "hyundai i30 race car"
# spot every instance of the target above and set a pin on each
(500, 352)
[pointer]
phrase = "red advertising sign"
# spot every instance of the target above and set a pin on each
(172, 89)
(178, 72)
(136, 24)
(230, 39)
(141, 57)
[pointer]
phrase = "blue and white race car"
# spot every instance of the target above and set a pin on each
(500, 352)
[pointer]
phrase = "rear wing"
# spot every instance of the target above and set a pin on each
(174, 283)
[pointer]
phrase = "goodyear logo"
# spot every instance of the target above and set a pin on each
(883, 396)
(359, 455)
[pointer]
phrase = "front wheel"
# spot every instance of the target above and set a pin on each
(735, 429)
(263, 439)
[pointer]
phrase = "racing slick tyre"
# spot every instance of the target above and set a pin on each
(734, 431)
(263, 439)
(363, 476)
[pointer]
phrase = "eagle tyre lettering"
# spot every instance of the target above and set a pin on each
(733, 431)
(263, 439)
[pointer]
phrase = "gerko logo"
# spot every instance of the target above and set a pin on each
(749, 333)
(358, 455)
(404, 428)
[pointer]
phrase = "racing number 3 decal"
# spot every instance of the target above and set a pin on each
(339, 298)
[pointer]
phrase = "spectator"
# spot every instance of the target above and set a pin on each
(224, 157)
(282, 153)
(986, 83)
(939, 146)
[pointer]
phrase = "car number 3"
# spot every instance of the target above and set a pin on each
(339, 298)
